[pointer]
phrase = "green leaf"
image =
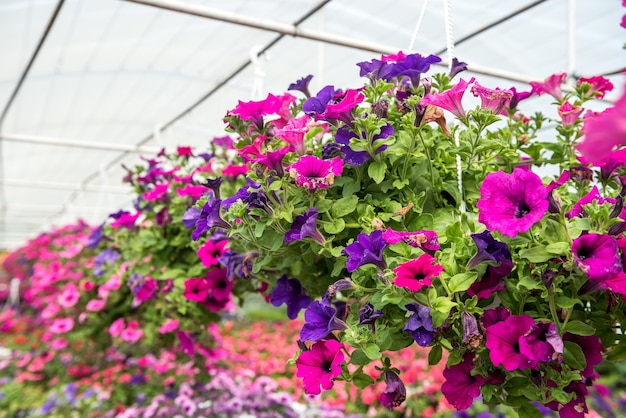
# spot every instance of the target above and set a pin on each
(372, 351)
(359, 358)
(566, 303)
(335, 227)
(361, 380)
(528, 410)
(579, 328)
(573, 356)
(536, 254)
(434, 356)
(275, 186)
(323, 205)
(344, 206)
(258, 229)
(461, 282)
(559, 248)
(376, 171)
(618, 353)
(443, 304)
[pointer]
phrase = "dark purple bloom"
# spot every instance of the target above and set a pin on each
(597, 255)
(251, 194)
(357, 158)
(457, 67)
(305, 226)
(317, 104)
(518, 97)
(119, 214)
(330, 149)
(542, 343)
(554, 204)
(138, 379)
(190, 217)
(461, 386)
(367, 249)
(491, 281)
(302, 85)
(232, 260)
(214, 185)
(420, 324)
(367, 314)
(95, 237)
(376, 70)
(495, 315)
(209, 218)
(413, 67)
(338, 286)
(291, 293)
(395, 392)
(320, 321)
(489, 249)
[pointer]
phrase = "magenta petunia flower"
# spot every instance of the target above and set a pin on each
(211, 251)
(186, 342)
(461, 386)
(319, 366)
(169, 325)
(512, 203)
(569, 114)
(342, 109)
(61, 325)
(593, 195)
(196, 289)
(551, 85)
(503, 342)
(293, 133)
(542, 343)
(116, 327)
(451, 100)
(598, 85)
(604, 132)
(417, 273)
(494, 100)
(132, 333)
(219, 284)
(192, 190)
(592, 349)
(425, 239)
(255, 110)
(314, 173)
(157, 192)
(597, 255)
(492, 281)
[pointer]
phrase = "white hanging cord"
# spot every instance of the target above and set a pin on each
(417, 26)
(14, 294)
(259, 74)
(450, 48)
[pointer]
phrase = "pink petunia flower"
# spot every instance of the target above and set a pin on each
(157, 192)
(512, 203)
(319, 366)
(192, 190)
(461, 386)
(494, 100)
(61, 325)
(425, 239)
(569, 114)
(502, 340)
(95, 305)
(597, 255)
(196, 289)
(417, 273)
(70, 296)
(293, 133)
(551, 85)
(211, 251)
(598, 85)
(169, 326)
(132, 333)
(116, 327)
(314, 173)
(450, 100)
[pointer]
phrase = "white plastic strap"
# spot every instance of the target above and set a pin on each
(417, 26)
(14, 294)
(259, 75)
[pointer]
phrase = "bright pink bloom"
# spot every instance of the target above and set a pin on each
(319, 366)
(59, 344)
(192, 190)
(593, 195)
(116, 327)
(461, 387)
(196, 289)
(95, 305)
(126, 220)
(417, 273)
(597, 255)
(148, 290)
(294, 131)
(169, 326)
(158, 192)
(70, 296)
(219, 284)
(234, 170)
(451, 100)
(569, 114)
(61, 325)
(211, 251)
(551, 86)
(503, 342)
(599, 85)
(495, 100)
(342, 110)
(399, 57)
(425, 239)
(314, 173)
(132, 333)
(604, 132)
(184, 151)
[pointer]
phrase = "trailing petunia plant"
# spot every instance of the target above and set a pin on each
(417, 209)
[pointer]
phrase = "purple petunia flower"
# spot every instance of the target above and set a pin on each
(503, 342)
(367, 249)
(208, 218)
(317, 104)
(357, 158)
(302, 85)
(104, 259)
(305, 226)
(321, 320)
(461, 386)
(512, 203)
(251, 194)
(489, 249)
(95, 237)
(395, 392)
(413, 66)
(290, 292)
(367, 315)
(420, 324)
(597, 255)
(376, 70)
(456, 67)
(190, 217)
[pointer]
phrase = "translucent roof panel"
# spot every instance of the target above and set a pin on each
(111, 75)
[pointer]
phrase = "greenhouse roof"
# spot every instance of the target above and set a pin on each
(89, 85)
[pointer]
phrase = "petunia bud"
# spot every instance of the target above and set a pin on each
(472, 337)
(395, 393)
